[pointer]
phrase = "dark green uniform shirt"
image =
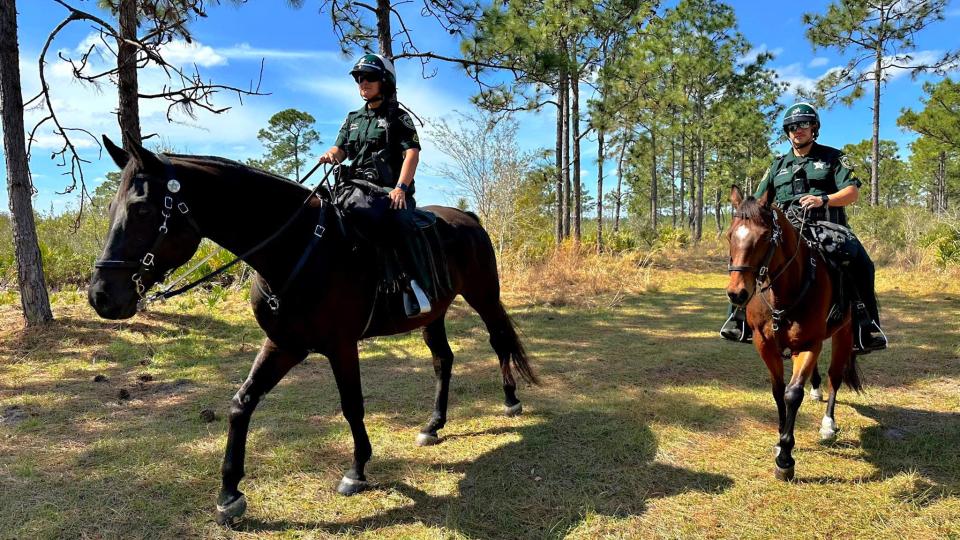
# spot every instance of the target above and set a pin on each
(367, 131)
(823, 171)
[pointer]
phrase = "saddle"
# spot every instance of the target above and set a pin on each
(837, 246)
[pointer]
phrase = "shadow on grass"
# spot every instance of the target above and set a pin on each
(543, 485)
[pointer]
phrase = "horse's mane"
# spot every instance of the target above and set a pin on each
(234, 166)
(752, 210)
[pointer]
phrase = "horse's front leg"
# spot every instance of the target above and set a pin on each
(804, 362)
(346, 370)
(271, 365)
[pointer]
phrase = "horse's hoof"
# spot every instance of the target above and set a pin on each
(513, 410)
(784, 475)
(228, 514)
(350, 486)
(828, 429)
(427, 439)
(816, 394)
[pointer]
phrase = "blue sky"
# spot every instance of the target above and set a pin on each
(305, 70)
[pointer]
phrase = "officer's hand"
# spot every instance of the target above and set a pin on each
(329, 157)
(811, 201)
(398, 199)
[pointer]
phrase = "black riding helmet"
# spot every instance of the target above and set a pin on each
(381, 66)
(802, 112)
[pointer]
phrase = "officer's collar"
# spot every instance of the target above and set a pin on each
(813, 150)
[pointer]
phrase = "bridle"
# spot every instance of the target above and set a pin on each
(147, 263)
(170, 201)
(762, 272)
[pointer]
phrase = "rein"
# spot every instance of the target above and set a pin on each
(763, 272)
(146, 264)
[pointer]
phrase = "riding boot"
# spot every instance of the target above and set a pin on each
(735, 328)
(867, 334)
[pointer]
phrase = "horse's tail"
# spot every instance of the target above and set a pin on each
(851, 374)
(518, 354)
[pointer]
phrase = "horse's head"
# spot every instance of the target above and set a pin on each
(151, 233)
(751, 236)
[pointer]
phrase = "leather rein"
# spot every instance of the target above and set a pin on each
(146, 264)
(763, 272)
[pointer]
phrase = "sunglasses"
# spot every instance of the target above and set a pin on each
(369, 77)
(799, 125)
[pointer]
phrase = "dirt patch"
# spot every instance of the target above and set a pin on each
(13, 415)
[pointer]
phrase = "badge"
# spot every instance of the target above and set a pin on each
(845, 161)
(819, 165)
(173, 186)
(382, 123)
(407, 121)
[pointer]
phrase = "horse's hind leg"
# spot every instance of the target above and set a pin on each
(816, 393)
(435, 336)
(842, 346)
(271, 365)
(506, 343)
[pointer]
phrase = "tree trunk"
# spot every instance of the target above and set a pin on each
(599, 191)
(653, 177)
(941, 193)
(128, 109)
(619, 192)
(875, 150)
(683, 176)
(673, 180)
(717, 213)
(384, 37)
(558, 229)
(575, 128)
(698, 221)
(567, 200)
(33, 290)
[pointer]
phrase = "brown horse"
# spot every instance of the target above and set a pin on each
(167, 203)
(787, 291)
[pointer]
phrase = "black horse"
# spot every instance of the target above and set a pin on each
(167, 203)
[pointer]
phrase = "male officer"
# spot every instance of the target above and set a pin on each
(819, 179)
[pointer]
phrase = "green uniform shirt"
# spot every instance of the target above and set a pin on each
(823, 171)
(367, 131)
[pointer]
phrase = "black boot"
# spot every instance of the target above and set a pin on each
(867, 334)
(735, 328)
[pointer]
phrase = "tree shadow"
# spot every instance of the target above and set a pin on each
(560, 471)
(906, 440)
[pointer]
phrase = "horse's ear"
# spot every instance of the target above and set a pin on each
(119, 155)
(146, 158)
(736, 196)
(766, 199)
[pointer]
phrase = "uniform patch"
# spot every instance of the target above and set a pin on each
(416, 138)
(819, 165)
(353, 126)
(845, 161)
(407, 121)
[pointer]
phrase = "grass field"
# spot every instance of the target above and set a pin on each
(647, 426)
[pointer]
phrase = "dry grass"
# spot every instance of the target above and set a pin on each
(647, 425)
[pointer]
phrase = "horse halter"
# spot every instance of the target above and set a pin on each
(764, 268)
(147, 262)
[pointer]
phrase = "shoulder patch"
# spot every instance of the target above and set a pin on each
(845, 161)
(407, 121)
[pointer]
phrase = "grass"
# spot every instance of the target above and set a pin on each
(647, 425)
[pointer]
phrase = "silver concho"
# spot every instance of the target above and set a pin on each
(173, 186)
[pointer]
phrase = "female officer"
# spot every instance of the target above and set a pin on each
(378, 150)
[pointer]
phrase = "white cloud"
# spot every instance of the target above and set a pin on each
(244, 51)
(752, 54)
(179, 53)
(917, 58)
(819, 61)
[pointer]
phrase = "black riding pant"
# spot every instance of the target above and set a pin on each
(861, 273)
(369, 212)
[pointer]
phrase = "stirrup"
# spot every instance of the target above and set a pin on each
(876, 342)
(740, 332)
(415, 301)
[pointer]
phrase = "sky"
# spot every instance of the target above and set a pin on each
(304, 69)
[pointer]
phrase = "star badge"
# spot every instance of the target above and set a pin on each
(819, 165)
(382, 123)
